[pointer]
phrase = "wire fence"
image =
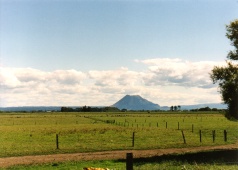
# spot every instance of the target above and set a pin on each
(117, 135)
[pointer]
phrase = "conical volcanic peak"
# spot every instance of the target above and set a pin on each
(135, 102)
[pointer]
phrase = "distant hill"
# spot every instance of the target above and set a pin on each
(198, 106)
(135, 102)
(129, 102)
(30, 108)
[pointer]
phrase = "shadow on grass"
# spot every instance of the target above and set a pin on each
(208, 157)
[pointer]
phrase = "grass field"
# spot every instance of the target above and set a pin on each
(117, 165)
(35, 133)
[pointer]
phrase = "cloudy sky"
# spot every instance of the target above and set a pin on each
(78, 52)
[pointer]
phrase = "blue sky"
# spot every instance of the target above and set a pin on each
(105, 43)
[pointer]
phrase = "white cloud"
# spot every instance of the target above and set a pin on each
(166, 82)
(178, 72)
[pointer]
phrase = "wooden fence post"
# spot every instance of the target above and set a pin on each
(133, 139)
(166, 125)
(178, 125)
(213, 135)
(129, 161)
(192, 128)
(200, 134)
(57, 141)
(184, 140)
(225, 135)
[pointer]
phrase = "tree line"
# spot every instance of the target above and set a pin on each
(175, 108)
(89, 109)
(178, 108)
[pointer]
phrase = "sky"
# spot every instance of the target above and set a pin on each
(78, 52)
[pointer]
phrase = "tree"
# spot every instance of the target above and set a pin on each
(175, 108)
(205, 109)
(227, 76)
(172, 108)
(232, 34)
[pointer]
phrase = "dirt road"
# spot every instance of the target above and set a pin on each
(105, 155)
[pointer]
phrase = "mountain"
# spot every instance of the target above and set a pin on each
(135, 102)
(198, 106)
(30, 108)
(129, 102)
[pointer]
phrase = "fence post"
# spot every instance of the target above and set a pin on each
(178, 125)
(200, 134)
(225, 135)
(192, 128)
(166, 125)
(184, 140)
(57, 141)
(129, 161)
(133, 139)
(157, 124)
(213, 135)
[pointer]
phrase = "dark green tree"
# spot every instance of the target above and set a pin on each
(227, 76)
(175, 108)
(172, 108)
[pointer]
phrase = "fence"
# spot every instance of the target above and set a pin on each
(107, 133)
(133, 138)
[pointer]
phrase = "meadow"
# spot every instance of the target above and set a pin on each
(35, 133)
(119, 165)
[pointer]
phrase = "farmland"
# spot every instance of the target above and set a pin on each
(35, 133)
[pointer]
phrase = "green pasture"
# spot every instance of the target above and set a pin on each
(119, 165)
(35, 133)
